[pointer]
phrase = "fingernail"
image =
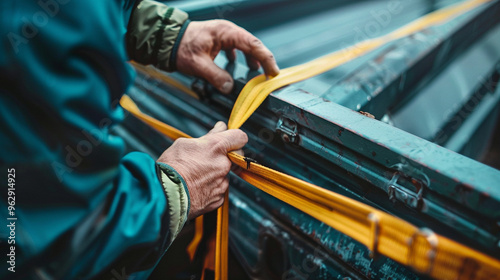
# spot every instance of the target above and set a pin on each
(218, 124)
(227, 87)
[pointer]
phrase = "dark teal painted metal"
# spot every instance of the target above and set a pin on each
(391, 77)
(273, 210)
(355, 143)
(338, 148)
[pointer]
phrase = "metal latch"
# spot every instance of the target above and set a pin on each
(419, 183)
(199, 86)
(288, 130)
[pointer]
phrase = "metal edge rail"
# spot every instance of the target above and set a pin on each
(357, 143)
(391, 78)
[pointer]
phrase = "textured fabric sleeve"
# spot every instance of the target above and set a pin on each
(177, 196)
(84, 209)
(154, 33)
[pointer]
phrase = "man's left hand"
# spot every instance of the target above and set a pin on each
(203, 40)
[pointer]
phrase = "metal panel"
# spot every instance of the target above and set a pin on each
(303, 134)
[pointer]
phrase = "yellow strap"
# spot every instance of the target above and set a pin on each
(257, 89)
(220, 253)
(424, 251)
(222, 239)
(209, 258)
(364, 225)
(166, 79)
(198, 235)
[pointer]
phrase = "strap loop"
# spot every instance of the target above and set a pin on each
(347, 216)
(432, 239)
(249, 160)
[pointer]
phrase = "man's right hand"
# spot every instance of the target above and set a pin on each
(204, 165)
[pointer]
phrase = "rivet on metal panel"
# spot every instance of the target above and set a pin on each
(199, 86)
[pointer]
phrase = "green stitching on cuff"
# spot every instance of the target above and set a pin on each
(159, 33)
(152, 33)
(173, 55)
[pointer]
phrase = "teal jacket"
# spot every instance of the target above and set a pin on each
(82, 208)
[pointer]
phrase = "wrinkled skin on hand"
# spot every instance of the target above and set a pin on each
(203, 40)
(204, 165)
(203, 162)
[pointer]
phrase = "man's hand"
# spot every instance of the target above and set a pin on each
(201, 43)
(204, 165)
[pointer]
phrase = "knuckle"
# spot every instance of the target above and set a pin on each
(255, 42)
(270, 57)
(222, 145)
(216, 145)
(227, 24)
(220, 21)
(222, 25)
(180, 142)
(187, 144)
(213, 141)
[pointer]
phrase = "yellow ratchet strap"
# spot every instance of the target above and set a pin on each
(220, 253)
(257, 89)
(426, 252)
(421, 249)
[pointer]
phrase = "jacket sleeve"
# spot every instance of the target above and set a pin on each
(154, 34)
(84, 209)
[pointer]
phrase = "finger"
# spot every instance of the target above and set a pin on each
(234, 139)
(250, 45)
(219, 78)
(252, 63)
(218, 127)
(230, 54)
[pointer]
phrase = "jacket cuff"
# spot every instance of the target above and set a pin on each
(177, 194)
(155, 31)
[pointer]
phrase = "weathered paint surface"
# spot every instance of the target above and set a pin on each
(342, 150)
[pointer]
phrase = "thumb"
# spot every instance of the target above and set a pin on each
(216, 76)
(234, 139)
(218, 127)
